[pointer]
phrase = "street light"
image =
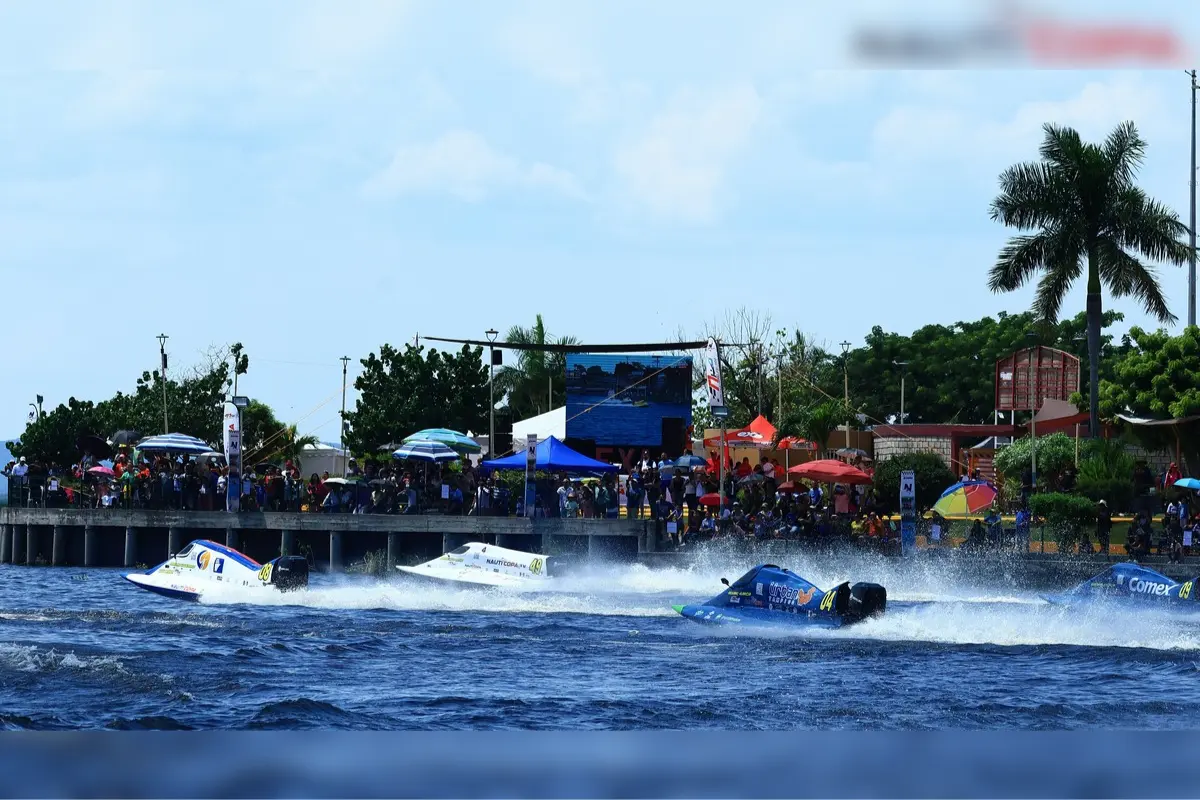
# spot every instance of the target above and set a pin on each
(491, 334)
(162, 349)
(1192, 219)
(903, 365)
(342, 441)
(846, 386)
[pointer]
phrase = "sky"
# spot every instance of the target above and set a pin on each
(314, 179)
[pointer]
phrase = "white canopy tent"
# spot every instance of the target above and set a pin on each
(552, 423)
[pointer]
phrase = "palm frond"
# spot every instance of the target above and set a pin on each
(1017, 262)
(1148, 227)
(1062, 148)
(1125, 152)
(1032, 195)
(1125, 276)
(1053, 287)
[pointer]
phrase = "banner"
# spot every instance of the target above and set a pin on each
(712, 376)
(908, 516)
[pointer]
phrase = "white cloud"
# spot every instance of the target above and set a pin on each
(678, 167)
(462, 163)
(915, 133)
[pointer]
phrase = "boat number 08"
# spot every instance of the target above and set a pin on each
(1185, 591)
(264, 574)
(827, 600)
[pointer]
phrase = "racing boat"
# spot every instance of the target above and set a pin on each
(1130, 584)
(479, 564)
(770, 595)
(203, 567)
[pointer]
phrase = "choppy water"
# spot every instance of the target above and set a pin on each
(83, 649)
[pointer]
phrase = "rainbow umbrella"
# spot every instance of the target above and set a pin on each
(966, 498)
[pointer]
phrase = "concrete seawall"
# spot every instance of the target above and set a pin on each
(114, 538)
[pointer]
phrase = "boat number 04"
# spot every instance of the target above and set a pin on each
(264, 574)
(827, 600)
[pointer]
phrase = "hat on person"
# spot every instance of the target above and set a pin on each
(22, 459)
(1103, 503)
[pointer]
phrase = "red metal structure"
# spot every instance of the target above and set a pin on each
(1028, 377)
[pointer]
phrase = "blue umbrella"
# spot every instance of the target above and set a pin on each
(1188, 483)
(426, 451)
(456, 441)
(689, 462)
(174, 443)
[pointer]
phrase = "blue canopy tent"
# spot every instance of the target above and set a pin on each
(552, 456)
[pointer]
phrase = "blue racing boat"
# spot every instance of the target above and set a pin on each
(1131, 585)
(771, 595)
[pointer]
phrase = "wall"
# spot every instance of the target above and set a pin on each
(885, 448)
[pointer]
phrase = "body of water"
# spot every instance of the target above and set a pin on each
(84, 649)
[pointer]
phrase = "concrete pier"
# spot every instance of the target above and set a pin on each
(91, 546)
(58, 556)
(6, 534)
(79, 537)
(130, 546)
(18, 544)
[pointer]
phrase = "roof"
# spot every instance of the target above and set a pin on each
(552, 455)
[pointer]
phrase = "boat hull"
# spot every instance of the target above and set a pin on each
(470, 579)
(753, 617)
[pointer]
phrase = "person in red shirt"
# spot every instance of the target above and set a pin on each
(744, 468)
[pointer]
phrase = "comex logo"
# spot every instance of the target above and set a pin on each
(1147, 587)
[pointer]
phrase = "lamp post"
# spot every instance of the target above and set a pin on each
(1032, 335)
(491, 334)
(846, 386)
(342, 441)
(1192, 226)
(162, 350)
(903, 365)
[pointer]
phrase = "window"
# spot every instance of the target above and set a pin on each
(458, 551)
(184, 552)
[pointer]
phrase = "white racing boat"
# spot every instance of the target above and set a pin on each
(486, 565)
(205, 567)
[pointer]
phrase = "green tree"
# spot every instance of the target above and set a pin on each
(403, 391)
(537, 382)
(930, 473)
(1055, 453)
(1083, 208)
(1158, 377)
(816, 423)
(261, 432)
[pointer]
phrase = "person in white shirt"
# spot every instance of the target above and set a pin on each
(768, 469)
(21, 469)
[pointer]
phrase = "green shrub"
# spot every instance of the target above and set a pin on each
(1067, 516)
(1055, 453)
(931, 473)
(1106, 473)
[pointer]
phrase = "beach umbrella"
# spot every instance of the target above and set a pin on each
(93, 444)
(689, 462)
(429, 451)
(854, 452)
(343, 481)
(459, 442)
(104, 472)
(829, 470)
(753, 477)
(1188, 483)
(173, 443)
(125, 438)
(710, 499)
(787, 487)
(966, 498)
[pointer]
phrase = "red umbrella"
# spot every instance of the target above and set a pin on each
(829, 470)
(710, 499)
(787, 487)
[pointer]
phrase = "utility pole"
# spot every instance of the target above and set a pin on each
(846, 386)
(1192, 226)
(162, 351)
(342, 441)
(491, 334)
(1034, 382)
(779, 375)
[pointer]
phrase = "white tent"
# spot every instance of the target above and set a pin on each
(321, 458)
(552, 423)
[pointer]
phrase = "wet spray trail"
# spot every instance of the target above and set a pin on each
(602, 649)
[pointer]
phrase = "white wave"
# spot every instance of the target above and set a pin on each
(31, 658)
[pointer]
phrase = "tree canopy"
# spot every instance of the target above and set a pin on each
(405, 390)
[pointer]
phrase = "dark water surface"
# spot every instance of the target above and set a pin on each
(85, 649)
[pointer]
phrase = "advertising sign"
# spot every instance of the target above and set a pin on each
(908, 515)
(712, 378)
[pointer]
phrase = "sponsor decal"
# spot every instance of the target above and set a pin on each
(1138, 586)
(202, 559)
(780, 594)
(218, 566)
(504, 562)
(535, 566)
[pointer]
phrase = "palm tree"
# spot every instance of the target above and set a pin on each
(1082, 206)
(285, 445)
(530, 384)
(816, 423)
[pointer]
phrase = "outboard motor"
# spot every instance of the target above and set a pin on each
(866, 600)
(557, 566)
(289, 573)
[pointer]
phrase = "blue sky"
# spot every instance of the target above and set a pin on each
(315, 178)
